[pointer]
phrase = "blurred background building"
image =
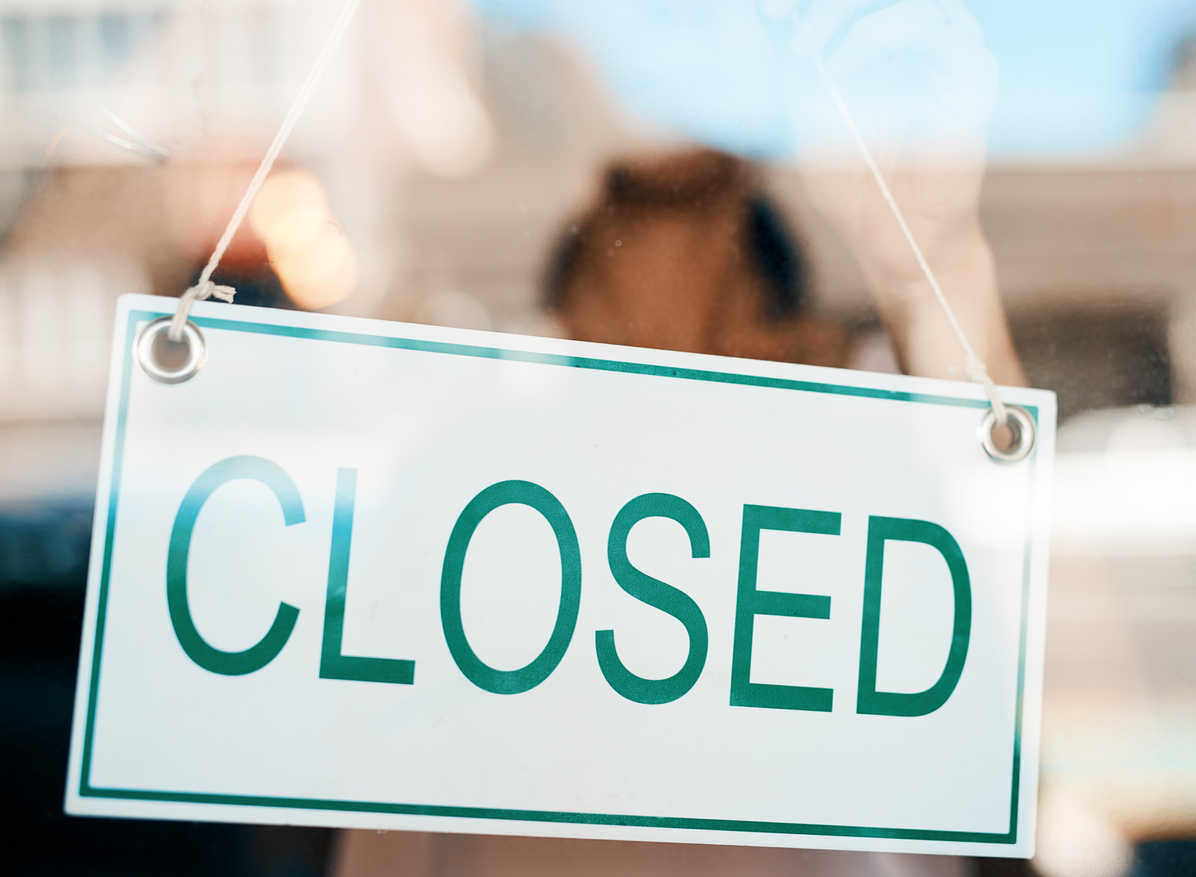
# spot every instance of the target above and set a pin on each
(445, 150)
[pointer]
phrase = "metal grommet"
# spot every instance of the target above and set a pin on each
(145, 350)
(1020, 423)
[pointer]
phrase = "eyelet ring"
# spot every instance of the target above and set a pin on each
(1024, 435)
(144, 349)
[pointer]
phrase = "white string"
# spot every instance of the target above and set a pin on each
(974, 366)
(205, 288)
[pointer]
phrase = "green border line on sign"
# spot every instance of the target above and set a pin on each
(88, 791)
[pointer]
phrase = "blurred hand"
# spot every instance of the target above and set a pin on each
(920, 85)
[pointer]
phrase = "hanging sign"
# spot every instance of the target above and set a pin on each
(359, 573)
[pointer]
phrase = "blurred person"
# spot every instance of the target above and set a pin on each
(682, 251)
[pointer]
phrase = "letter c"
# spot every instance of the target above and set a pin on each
(197, 649)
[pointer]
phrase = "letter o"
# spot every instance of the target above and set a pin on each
(479, 673)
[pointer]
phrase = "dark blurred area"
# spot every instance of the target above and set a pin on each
(1096, 360)
(43, 575)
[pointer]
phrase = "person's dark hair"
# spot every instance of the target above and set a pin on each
(689, 181)
(776, 257)
(562, 266)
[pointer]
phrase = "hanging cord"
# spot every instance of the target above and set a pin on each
(205, 288)
(974, 366)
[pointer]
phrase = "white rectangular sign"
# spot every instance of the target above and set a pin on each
(358, 573)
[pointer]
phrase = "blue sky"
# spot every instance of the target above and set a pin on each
(1077, 76)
